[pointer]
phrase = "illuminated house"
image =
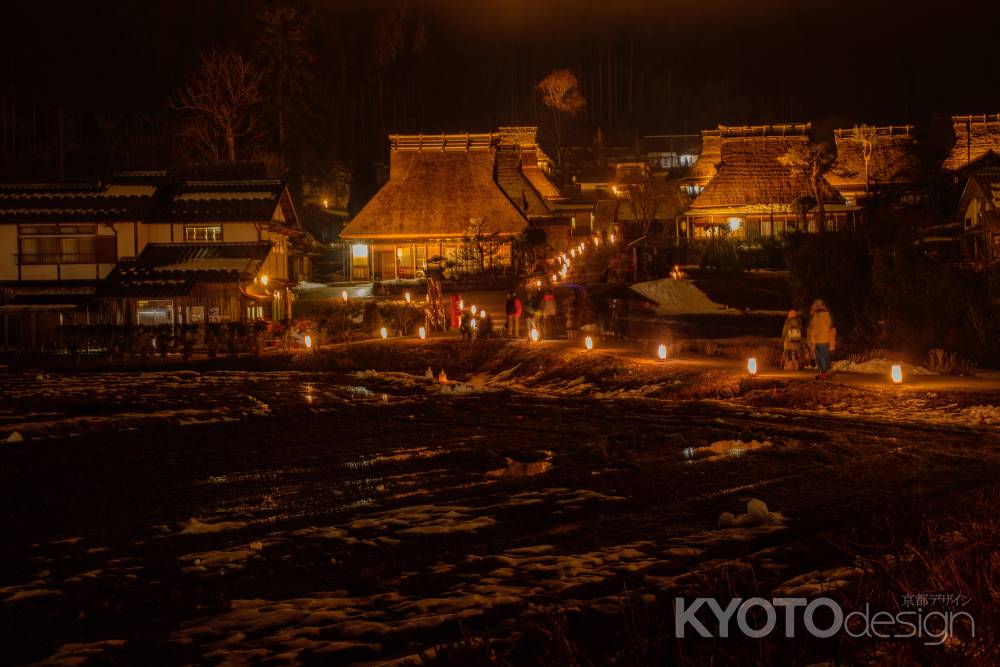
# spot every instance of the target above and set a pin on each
(893, 165)
(706, 165)
(980, 210)
(977, 143)
(132, 250)
(441, 189)
(754, 193)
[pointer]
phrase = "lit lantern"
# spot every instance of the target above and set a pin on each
(406, 295)
(661, 352)
(263, 280)
(533, 335)
(422, 332)
(343, 295)
(443, 377)
(752, 366)
(897, 374)
(572, 253)
(384, 332)
(588, 343)
(612, 238)
(309, 341)
(473, 310)
(399, 253)
(555, 278)
(597, 241)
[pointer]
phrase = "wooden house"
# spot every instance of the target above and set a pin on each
(977, 143)
(444, 193)
(59, 241)
(892, 166)
(980, 209)
(755, 192)
(69, 247)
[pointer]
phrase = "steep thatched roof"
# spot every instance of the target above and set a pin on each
(893, 160)
(434, 193)
(752, 175)
(708, 161)
(976, 137)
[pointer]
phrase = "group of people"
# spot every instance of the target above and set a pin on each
(819, 340)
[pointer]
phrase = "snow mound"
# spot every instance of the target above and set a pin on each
(195, 527)
(677, 297)
(877, 367)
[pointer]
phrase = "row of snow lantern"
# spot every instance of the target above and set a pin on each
(895, 372)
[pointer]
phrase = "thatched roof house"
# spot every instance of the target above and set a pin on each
(977, 139)
(755, 191)
(440, 189)
(893, 163)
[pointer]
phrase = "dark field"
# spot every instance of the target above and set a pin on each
(551, 505)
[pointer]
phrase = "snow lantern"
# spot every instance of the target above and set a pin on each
(661, 352)
(473, 310)
(533, 335)
(752, 366)
(588, 343)
(309, 341)
(442, 377)
(406, 295)
(897, 374)
(343, 295)
(422, 332)
(384, 332)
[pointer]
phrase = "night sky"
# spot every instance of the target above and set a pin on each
(687, 64)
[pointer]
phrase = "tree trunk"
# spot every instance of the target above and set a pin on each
(230, 144)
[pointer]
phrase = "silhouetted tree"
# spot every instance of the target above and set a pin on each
(813, 161)
(223, 101)
(560, 92)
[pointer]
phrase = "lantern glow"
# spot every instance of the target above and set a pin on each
(384, 332)
(422, 332)
(752, 366)
(588, 343)
(309, 341)
(533, 335)
(263, 280)
(897, 374)
(406, 295)
(661, 352)
(343, 295)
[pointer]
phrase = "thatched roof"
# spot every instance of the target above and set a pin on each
(752, 175)
(976, 137)
(893, 160)
(708, 161)
(434, 194)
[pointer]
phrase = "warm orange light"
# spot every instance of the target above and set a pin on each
(384, 332)
(612, 238)
(661, 352)
(588, 343)
(473, 310)
(534, 335)
(897, 374)
(309, 341)
(422, 332)
(263, 280)
(555, 278)
(406, 295)
(752, 366)
(343, 295)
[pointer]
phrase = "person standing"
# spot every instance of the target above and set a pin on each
(518, 311)
(510, 310)
(549, 312)
(821, 336)
(791, 341)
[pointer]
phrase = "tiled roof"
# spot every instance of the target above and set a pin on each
(173, 269)
(74, 202)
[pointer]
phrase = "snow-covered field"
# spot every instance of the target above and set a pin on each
(373, 514)
(678, 297)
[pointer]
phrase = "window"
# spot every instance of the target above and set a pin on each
(420, 253)
(64, 244)
(203, 233)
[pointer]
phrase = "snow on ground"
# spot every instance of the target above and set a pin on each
(877, 367)
(677, 297)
